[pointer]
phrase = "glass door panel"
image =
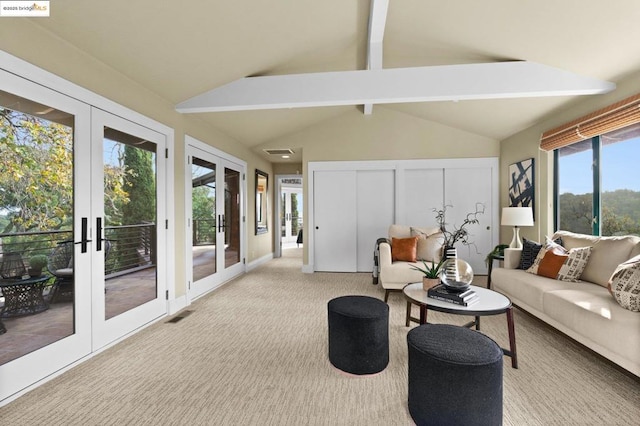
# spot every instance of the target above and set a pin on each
(44, 312)
(292, 216)
(128, 284)
(231, 218)
(129, 164)
(203, 214)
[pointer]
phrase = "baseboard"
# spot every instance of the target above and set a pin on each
(307, 269)
(260, 261)
(177, 304)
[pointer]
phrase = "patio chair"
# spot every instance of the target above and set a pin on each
(60, 265)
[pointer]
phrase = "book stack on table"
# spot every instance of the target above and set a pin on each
(464, 298)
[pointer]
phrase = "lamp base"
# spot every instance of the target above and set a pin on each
(516, 243)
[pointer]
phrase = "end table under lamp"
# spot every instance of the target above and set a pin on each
(516, 216)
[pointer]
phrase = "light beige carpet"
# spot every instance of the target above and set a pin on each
(254, 352)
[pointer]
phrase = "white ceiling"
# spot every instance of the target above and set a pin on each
(182, 49)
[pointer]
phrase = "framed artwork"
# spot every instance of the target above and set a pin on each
(521, 184)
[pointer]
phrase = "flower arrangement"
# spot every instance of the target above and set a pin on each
(458, 233)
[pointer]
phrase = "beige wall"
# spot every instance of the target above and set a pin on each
(526, 145)
(384, 135)
(31, 43)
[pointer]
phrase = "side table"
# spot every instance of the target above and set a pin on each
(23, 296)
(492, 257)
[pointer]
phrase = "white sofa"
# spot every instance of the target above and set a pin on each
(394, 275)
(584, 310)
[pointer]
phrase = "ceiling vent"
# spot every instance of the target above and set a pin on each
(286, 151)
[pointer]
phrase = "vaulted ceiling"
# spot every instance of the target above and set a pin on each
(182, 49)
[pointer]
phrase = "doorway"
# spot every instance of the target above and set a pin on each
(289, 213)
(215, 187)
(81, 194)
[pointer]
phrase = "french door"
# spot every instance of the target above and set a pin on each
(215, 222)
(128, 187)
(291, 214)
(82, 190)
(43, 137)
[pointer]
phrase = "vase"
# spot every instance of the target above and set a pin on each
(428, 283)
(450, 252)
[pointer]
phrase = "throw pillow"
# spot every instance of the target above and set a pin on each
(574, 265)
(404, 249)
(549, 246)
(624, 284)
(530, 250)
(551, 263)
(430, 242)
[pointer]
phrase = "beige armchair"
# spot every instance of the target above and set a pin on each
(395, 272)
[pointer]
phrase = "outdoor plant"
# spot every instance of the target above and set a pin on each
(37, 263)
(459, 233)
(430, 270)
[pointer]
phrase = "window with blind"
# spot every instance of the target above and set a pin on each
(598, 183)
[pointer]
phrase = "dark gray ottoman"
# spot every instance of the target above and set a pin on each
(455, 376)
(358, 334)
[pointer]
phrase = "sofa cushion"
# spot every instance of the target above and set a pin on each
(430, 242)
(590, 311)
(574, 264)
(525, 287)
(607, 253)
(404, 249)
(625, 284)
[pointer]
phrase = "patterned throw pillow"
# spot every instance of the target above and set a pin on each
(574, 265)
(530, 250)
(404, 249)
(624, 284)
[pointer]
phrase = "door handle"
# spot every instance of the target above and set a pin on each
(99, 234)
(85, 233)
(219, 223)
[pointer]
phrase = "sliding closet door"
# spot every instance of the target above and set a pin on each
(335, 233)
(422, 192)
(375, 198)
(466, 189)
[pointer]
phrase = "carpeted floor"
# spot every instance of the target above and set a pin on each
(254, 352)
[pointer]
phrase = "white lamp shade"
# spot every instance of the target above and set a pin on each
(517, 216)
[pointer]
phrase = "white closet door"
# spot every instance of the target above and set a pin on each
(463, 189)
(423, 191)
(335, 241)
(375, 212)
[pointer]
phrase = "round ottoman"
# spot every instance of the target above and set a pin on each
(358, 334)
(455, 376)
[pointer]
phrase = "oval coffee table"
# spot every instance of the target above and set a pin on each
(489, 302)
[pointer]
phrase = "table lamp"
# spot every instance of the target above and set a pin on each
(516, 216)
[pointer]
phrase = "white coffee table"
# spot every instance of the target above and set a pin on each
(489, 302)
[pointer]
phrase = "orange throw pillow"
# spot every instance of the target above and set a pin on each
(404, 249)
(551, 263)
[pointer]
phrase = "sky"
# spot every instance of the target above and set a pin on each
(620, 169)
